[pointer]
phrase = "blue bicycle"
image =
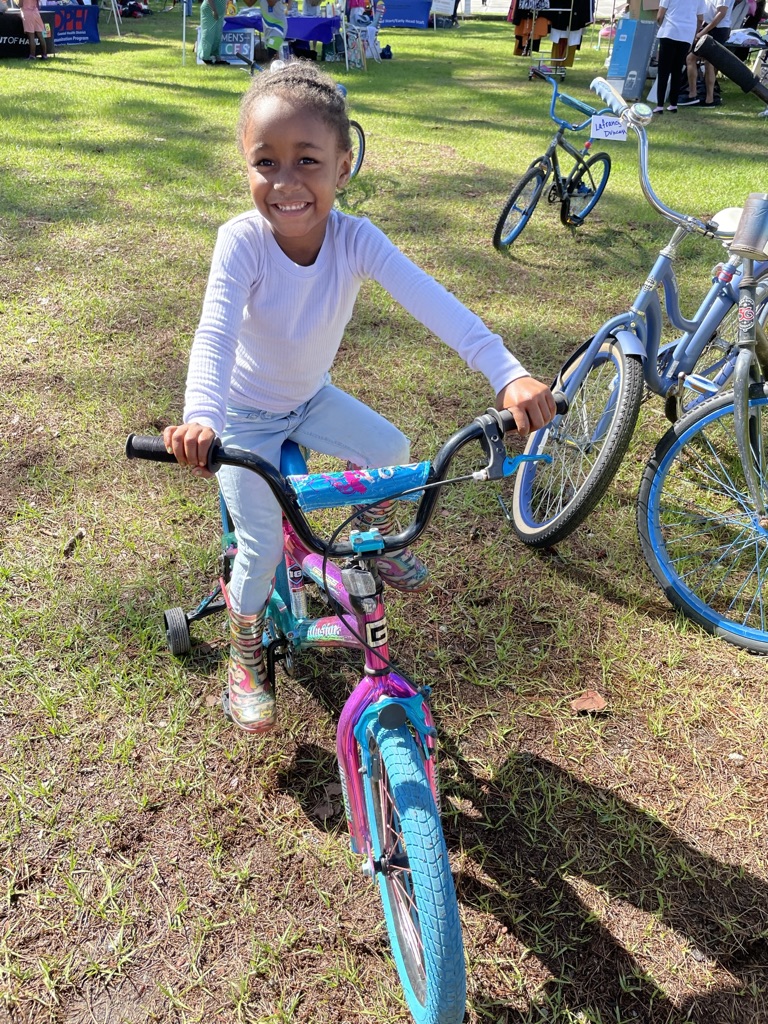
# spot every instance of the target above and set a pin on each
(578, 191)
(605, 379)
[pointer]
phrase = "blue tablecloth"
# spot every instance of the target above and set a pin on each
(73, 23)
(320, 29)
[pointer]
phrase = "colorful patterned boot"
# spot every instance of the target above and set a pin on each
(251, 694)
(404, 570)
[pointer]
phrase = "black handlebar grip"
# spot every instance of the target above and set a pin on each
(507, 420)
(148, 447)
(730, 65)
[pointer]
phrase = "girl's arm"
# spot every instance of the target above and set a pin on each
(440, 311)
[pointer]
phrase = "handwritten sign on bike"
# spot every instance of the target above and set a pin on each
(605, 126)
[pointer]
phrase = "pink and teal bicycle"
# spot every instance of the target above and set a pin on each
(386, 739)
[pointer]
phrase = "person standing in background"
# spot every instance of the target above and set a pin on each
(678, 22)
(211, 27)
(717, 25)
(33, 26)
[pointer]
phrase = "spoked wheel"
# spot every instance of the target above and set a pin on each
(584, 186)
(700, 534)
(358, 147)
(177, 631)
(414, 878)
(718, 358)
(519, 208)
(586, 446)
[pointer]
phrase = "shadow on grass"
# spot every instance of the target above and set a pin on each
(562, 830)
(536, 834)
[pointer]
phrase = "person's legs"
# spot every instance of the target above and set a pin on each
(335, 423)
(692, 70)
(258, 528)
(679, 52)
(662, 74)
(41, 37)
(31, 38)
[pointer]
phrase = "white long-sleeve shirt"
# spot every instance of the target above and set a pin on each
(270, 329)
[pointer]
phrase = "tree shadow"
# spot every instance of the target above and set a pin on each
(530, 838)
(535, 831)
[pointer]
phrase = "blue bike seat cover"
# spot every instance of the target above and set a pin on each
(359, 486)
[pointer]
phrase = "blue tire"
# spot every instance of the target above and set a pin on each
(700, 534)
(519, 208)
(585, 445)
(414, 878)
(584, 187)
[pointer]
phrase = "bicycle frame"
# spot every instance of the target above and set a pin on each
(549, 158)
(380, 685)
(639, 329)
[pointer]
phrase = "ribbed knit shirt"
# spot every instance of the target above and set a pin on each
(270, 329)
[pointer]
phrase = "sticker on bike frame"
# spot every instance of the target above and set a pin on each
(359, 486)
(376, 633)
(650, 284)
(746, 316)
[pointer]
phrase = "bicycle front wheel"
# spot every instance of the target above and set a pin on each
(519, 208)
(718, 356)
(585, 446)
(700, 534)
(357, 136)
(583, 188)
(414, 878)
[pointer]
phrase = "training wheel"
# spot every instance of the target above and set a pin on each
(177, 631)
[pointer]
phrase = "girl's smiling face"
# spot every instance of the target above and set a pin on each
(295, 166)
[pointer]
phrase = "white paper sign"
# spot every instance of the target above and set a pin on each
(606, 126)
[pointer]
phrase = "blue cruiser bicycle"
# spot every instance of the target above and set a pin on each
(605, 379)
(577, 190)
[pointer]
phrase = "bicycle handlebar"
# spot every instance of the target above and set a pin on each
(566, 100)
(727, 62)
(636, 116)
(489, 429)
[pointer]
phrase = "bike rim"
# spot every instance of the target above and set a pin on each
(576, 442)
(519, 211)
(710, 546)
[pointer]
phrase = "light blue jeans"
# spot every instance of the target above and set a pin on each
(331, 422)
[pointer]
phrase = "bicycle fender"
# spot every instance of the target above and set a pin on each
(631, 344)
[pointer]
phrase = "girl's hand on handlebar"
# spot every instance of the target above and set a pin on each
(530, 402)
(190, 443)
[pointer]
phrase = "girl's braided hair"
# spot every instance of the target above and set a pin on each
(305, 85)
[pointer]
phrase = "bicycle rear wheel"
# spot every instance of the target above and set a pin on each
(718, 356)
(518, 209)
(586, 446)
(414, 878)
(699, 533)
(583, 187)
(358, 147)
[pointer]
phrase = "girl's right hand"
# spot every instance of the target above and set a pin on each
(190, 443)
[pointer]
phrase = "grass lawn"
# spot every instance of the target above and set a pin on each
(160, 867)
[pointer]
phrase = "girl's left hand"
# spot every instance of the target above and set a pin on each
(529, 401)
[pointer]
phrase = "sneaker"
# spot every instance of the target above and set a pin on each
(658, 110)
(689, 103)
(404, 571)
(672, 109)
(712, 104)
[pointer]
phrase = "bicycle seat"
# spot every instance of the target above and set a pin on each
(292, 461)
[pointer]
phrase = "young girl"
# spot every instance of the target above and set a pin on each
(281, 290)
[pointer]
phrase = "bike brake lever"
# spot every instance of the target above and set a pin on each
(500, 464)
